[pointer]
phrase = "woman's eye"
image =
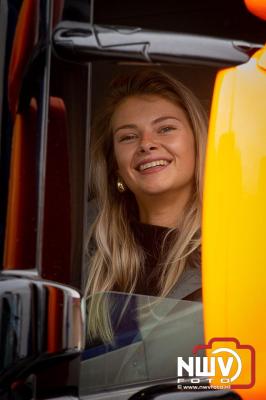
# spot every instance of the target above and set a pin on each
(166, 129)
(127, 137)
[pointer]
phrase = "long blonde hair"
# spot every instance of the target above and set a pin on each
(118, 259)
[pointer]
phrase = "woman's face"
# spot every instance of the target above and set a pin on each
(154, 146)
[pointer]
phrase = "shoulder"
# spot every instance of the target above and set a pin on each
(189, 285)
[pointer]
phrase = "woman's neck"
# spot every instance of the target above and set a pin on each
(162, 210)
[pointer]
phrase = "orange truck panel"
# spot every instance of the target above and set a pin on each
(234, 215)
(257, 7)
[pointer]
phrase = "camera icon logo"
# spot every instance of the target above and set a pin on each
(227, 363)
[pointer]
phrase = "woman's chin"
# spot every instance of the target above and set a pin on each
(154, 190)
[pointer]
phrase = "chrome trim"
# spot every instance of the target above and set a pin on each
(43, 144)
(85, 42)
(39, 320)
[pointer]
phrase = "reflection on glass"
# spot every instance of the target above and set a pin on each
(146, 334)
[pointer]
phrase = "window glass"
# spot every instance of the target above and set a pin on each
(65, 223)
(148, 334)
(66, 174)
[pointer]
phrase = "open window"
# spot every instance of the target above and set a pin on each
(49, 214)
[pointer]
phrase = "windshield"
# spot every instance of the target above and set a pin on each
(146, 335)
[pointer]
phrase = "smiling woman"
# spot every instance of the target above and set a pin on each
(147, 160)
(155, 155)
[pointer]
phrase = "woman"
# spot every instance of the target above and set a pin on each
(147, 157)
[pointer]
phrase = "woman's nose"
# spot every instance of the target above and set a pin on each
(147, 144)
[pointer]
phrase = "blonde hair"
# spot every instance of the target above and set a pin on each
(118, 259)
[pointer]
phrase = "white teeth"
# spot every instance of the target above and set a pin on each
(152, 164)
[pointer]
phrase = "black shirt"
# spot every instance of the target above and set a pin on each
(151, 239)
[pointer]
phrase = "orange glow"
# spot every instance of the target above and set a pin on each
(234, 216)
(257, 7)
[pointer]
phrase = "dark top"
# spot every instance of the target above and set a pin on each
(151, 238)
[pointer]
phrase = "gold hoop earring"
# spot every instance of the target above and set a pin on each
(121, 187)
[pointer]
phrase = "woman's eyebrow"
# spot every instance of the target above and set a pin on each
(160, 119)
(131, 126)
(156, 121)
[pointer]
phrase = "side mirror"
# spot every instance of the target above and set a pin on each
(41, 325)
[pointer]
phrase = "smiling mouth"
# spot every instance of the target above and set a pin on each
(152, 164)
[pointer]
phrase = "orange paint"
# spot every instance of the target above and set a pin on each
(257, 7)
(234, 216)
